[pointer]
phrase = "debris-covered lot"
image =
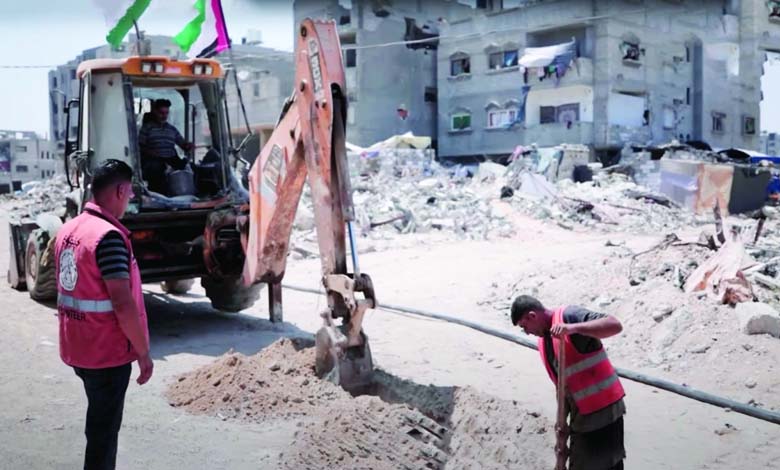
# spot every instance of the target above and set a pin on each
(697, 296)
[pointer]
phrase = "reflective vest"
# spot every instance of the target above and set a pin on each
(90, 335)
(591, 381)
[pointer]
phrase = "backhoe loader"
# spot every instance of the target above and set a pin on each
(229, 217)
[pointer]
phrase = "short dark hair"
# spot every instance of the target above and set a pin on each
(109, 173)
(524, 304)
(161, 103)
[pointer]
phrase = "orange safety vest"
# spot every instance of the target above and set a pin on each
(90, 335)
(590, 378)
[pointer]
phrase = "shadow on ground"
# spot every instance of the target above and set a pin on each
(195, 327)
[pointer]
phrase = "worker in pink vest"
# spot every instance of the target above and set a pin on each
(101, 310)
(594, 394)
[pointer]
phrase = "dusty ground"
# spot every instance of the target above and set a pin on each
(42, 417)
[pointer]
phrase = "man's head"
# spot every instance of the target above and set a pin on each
(112, 186)
(529, 314)
(160, 110)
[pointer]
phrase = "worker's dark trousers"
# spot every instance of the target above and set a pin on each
(106, 397)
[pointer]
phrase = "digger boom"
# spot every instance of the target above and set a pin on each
(309, 144)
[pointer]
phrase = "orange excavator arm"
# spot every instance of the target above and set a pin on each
(309, 143)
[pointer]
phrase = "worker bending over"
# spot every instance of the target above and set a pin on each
(594, 394)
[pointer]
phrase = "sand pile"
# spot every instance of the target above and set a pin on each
(398, 425)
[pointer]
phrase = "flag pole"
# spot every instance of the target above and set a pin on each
(137, 38)
(238, 88)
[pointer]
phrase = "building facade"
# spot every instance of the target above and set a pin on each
(391, 89)
(266, 77)
(25, 157)
(770, 143)
(644, 72)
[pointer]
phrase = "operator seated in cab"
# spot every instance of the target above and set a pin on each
(157, 140)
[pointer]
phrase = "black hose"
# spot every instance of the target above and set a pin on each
(704, 397)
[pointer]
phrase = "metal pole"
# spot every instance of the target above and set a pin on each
(238, 90)
(137, 37)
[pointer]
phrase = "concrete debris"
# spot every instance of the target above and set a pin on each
(756, 318)
(41, 197)
(722, 274)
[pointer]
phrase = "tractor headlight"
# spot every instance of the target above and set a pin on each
(158, 67)
(197, 69)
(209, 70)
(146, 67)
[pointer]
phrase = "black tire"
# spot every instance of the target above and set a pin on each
(230, 294)
(177, 286)
(39, 268)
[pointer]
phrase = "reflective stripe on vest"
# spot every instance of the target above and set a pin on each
(85, 305)
(585, 364)
(595, 388)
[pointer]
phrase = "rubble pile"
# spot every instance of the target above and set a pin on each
(611, 202)
(403, 191)
(43, 196)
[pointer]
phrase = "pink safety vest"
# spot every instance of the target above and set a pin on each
(90, 336)
(590, 378)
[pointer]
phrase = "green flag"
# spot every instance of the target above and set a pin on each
(187, 37)
(133, 12)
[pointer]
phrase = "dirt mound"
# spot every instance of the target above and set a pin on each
(397, 424)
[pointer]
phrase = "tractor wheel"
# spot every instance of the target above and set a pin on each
(230, 294)
(177, 286)
(39, 266)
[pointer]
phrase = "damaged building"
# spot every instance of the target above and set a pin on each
(24, 157)
(391, 90)
(604, 74)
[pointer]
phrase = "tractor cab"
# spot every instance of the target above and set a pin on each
(183, 158)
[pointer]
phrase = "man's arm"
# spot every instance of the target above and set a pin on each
(113, 259)
(599, 328)
(181, 142)
(127, 314)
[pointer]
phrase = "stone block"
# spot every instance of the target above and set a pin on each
(756, 318)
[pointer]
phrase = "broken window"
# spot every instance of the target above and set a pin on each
(256, 90)
(430, 94)
(718, 122)
(345, 19)
(546, 114)
(350, 58)
(688, 95)
(21, 148)
(503, 59)
(72, 74)
(631, 51)
(461, 121)
(460, 66)
(566, 114)
(501, 117)
(21, 168)
(748, 125)
(774, 10)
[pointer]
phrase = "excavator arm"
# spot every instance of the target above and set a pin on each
(309, 144)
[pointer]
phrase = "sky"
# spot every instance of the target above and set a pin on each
(52, 32)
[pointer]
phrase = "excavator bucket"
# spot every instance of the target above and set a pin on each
(309, 145)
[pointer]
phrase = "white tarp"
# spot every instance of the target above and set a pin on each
(544, 56)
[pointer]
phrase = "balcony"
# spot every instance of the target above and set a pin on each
(548, 135)
(617, 136)
(580, 73)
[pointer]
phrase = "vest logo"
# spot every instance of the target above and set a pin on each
(69, 273)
